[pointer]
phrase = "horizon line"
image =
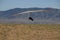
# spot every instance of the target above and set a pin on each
(29, 7)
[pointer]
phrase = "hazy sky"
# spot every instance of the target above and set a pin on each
(10, 4)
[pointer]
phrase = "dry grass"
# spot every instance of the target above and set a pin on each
(29, 32)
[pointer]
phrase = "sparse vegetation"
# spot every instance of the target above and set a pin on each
(29, 32)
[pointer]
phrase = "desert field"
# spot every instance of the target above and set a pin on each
(29, 31)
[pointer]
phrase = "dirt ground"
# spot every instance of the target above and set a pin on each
(29, 32)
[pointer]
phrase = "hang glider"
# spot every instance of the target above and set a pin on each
(28, 12)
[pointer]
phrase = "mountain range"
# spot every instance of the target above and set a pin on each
(39, 15)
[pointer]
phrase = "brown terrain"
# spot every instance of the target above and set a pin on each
(29, 32)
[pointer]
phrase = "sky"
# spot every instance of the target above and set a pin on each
(10, 4)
